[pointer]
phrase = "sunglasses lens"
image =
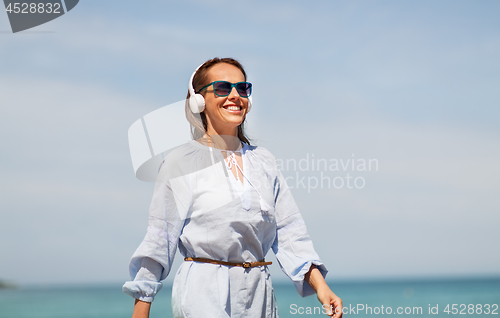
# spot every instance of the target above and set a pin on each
(244, 89)
(222, 88)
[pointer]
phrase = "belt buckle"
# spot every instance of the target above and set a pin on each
(247, 265)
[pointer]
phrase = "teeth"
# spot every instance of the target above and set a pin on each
(233, 108)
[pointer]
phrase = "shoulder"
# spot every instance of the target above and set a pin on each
(260, 152)
(179, 160)
(179, 154)
(262, 156)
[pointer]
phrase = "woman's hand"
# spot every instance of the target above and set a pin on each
(141, 309)
(332, 304)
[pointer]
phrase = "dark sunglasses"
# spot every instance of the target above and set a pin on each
(223, 88)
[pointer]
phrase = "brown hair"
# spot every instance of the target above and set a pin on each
(199, 123)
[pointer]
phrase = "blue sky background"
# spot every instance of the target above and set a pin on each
(413, 84)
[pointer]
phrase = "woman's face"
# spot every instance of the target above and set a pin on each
(224, 114)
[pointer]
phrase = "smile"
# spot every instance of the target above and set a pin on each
(232, 108)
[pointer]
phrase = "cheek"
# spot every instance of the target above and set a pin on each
(212, 106)
(210, 103)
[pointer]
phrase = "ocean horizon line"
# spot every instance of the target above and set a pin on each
(278, 282)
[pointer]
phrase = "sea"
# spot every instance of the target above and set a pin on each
(404, 298)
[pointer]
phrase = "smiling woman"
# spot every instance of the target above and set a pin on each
(224, 204)
(224, 114)
(200, 82)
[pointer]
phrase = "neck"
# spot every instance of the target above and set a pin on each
(224, 142)
(225, 138)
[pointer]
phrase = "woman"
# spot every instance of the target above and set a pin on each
(225, 205)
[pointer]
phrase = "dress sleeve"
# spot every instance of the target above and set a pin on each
(293, 246)
(153, 258)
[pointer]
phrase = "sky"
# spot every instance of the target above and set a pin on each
(410, 86)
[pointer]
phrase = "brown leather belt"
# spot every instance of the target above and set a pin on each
(213, 261)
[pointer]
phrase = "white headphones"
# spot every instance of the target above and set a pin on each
(196, 102)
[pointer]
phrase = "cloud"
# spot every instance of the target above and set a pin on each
(335, 80)
(67, 178)
(435, 190)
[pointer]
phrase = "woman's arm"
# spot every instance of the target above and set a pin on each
(325, 295)
(141, 309)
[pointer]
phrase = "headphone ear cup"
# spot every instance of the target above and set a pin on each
(197, 103)
(249, 103)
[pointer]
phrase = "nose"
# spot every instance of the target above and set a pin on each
(233, 94)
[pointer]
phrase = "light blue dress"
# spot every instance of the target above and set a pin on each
(199, 207)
